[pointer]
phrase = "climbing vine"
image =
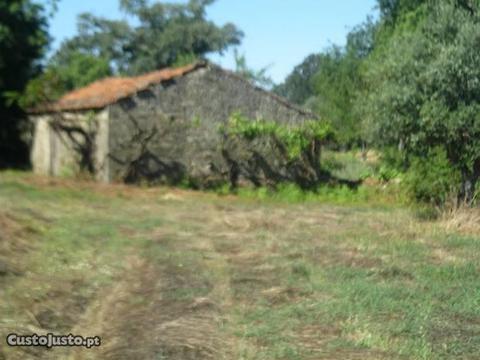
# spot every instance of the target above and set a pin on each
(275, 152)
(296, 140)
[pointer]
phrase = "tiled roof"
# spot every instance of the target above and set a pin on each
(109, 90)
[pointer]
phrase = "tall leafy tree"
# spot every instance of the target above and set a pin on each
(298, 87)
(79, 69)
(59, 77)
(339, 83)
(392, 11)
(426, 93)
(329, 82)
(23, 42)
(164, 34)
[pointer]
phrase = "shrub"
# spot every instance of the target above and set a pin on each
(393, 164)
(431, 179)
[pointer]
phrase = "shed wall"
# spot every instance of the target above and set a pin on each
(170, 131)
(58, 150)
(40, 155)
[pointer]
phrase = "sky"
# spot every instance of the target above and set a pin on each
(279, 34)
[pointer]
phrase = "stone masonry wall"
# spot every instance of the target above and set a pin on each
(170, 131)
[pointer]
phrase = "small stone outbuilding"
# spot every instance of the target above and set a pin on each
(162, 126)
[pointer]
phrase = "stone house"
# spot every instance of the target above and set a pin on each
(161, 126)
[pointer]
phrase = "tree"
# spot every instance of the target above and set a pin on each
(329, 82)
(426, 93)
(298, 86)
(165, 34)
(81, 69)
(23, 42)
(392, 11)
(339, 83)
(58, 78)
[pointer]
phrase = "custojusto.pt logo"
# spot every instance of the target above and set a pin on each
(51, 340)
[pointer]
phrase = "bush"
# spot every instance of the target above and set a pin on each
(431, 179)
(386, 173)
(392, 165)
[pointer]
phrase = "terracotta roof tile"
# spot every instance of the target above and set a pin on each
(109, 90)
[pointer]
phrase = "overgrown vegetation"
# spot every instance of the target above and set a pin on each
(408, 81)
(431, 179)
(283, 152)
(263, 279)
(296, 140)
(424, 96)
(23, 42)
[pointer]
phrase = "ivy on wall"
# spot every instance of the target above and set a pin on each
(295, 139)
(271, 152)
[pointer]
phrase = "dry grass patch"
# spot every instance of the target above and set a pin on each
(314, 338)
(14, 243)
(326, 255)
(283, 294)
(141, 317)
(463, 219)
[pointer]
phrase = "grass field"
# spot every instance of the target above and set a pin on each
(161, 273)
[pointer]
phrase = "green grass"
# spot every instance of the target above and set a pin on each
(347, 165)
(286, 275)
(343, 166)
(338, 194)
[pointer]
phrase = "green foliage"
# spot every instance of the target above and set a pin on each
(347, 165)
(165, 34)
(393, 11)
(269, 152)
(82, 69)
(42, 89)
(297, 139)
(387, 173)
(335, 194)
(425, 93)
(298, 86)
(392, 165)
(329, 83)
(431, 179)
(339, 84)
(335, 93)
(185, 59)
(23, 42)
(56, 79)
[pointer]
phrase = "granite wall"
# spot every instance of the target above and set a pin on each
(170, 132)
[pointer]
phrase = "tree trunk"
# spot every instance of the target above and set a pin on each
(469, 181)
